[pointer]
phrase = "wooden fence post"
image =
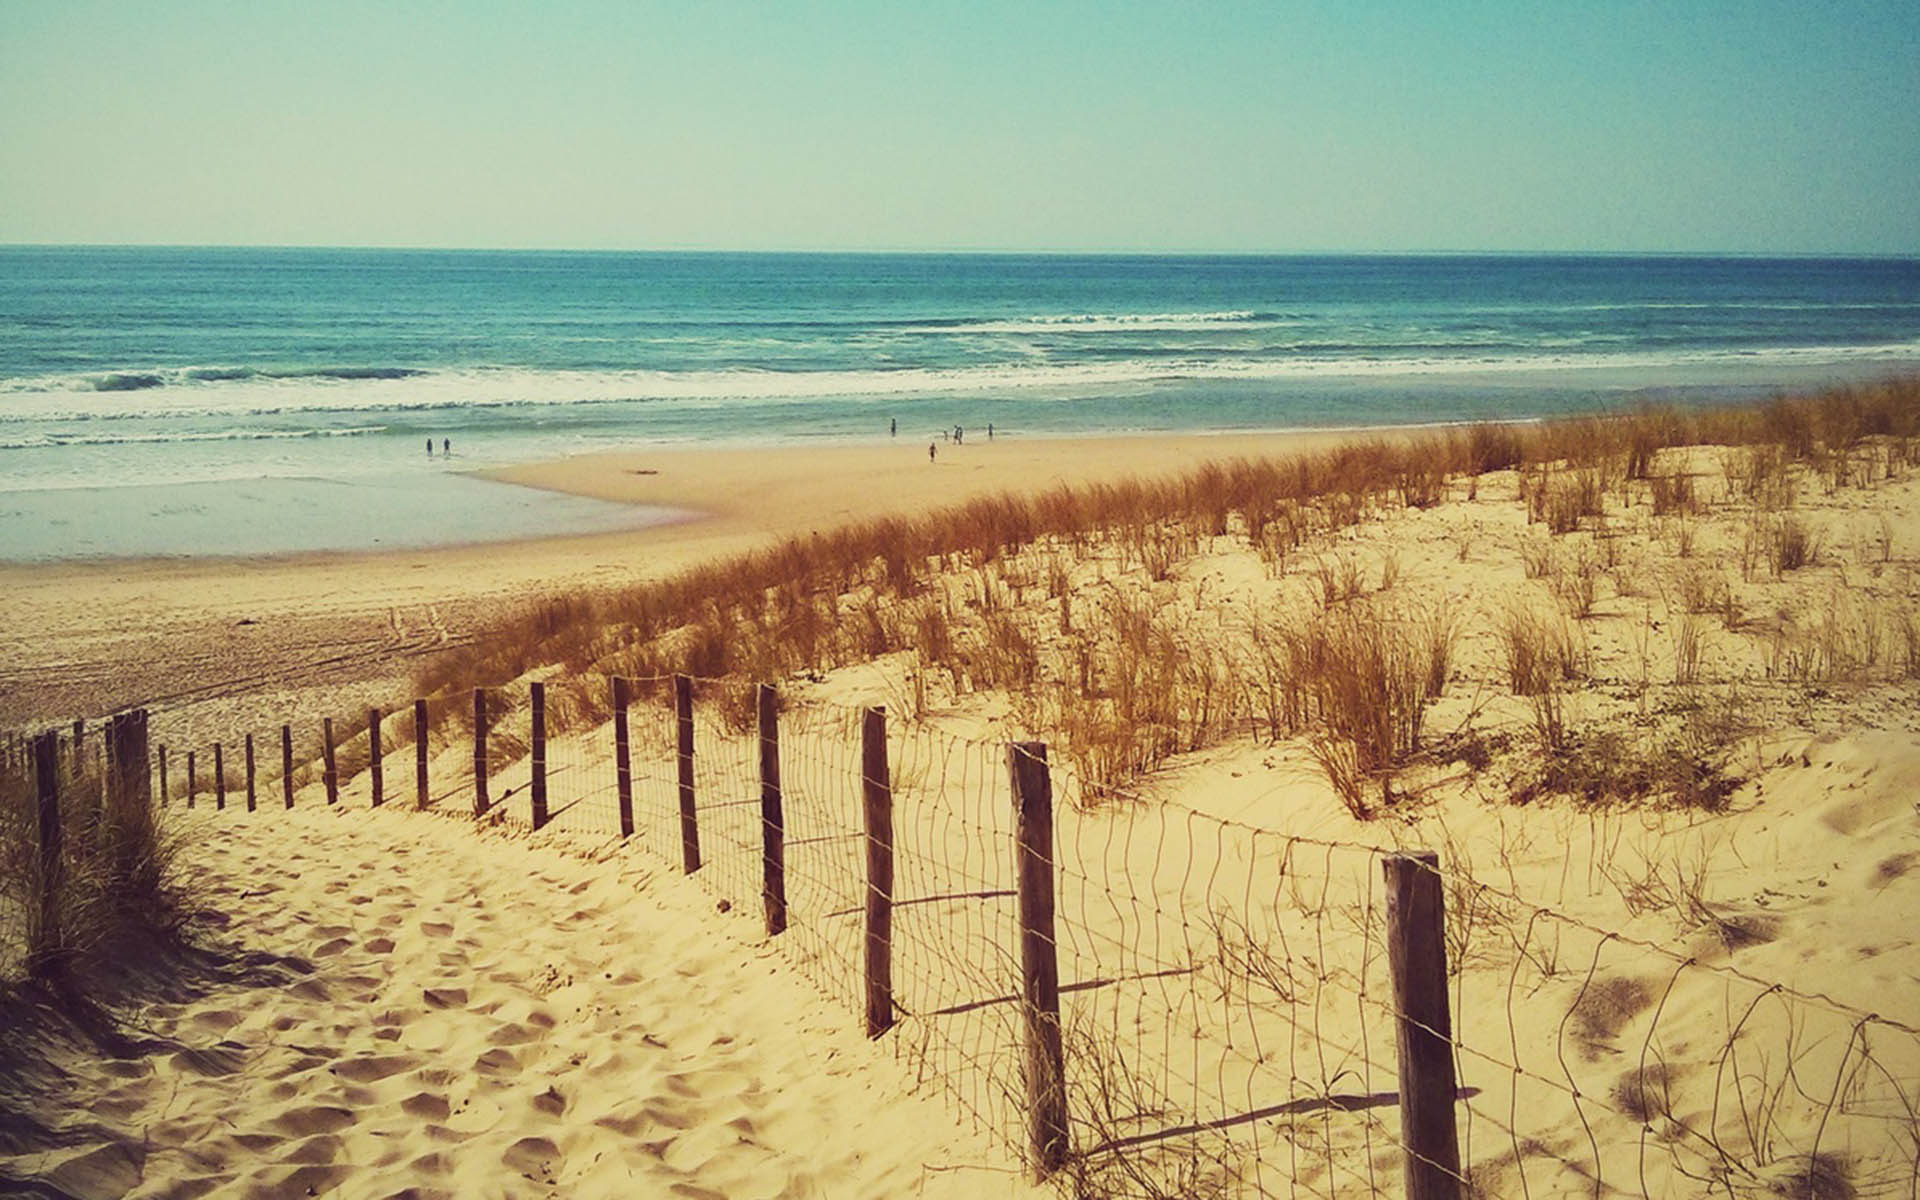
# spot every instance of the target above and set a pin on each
(79, 747)
(1039, 957)
(250, 793)
(43, 951)
(219, 779)
(539, 755)
(286, 764)
(876, 781)
(420, 798)
(373, 756)
(479, 752)
(689, 816)
(773, 820)
(327, 770)
(1417, 956)
(622, 754)
(163, 775)
(193, 780)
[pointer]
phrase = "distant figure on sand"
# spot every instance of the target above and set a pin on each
(930, 449)
(959, 436)
(429, 447)
(989, 430)
(893, 427)
(446, 446)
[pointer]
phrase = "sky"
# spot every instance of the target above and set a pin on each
(1757, 126)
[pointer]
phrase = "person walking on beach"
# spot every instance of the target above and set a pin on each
(893, 427)
(930, 449)
(989, 430)
(959, 436)
(446, 447)
(429, 447)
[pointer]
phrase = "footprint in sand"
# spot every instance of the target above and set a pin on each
(430, 1105)
(311, 1119)
(379, 945)
(513, 1034)
(218, 1020)
(445, 997)
(213, 1062)
(436, 929)
(373, 1068)
(530, 1155)
(497, 1062)
(331, 947)
(321, 1148)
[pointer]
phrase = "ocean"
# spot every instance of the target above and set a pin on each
(152, 398)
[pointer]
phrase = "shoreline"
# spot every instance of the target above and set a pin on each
(319, 630)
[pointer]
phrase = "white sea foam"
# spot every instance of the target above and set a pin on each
(47, 399)
(34, 441)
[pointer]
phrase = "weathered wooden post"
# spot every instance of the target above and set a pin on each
(373, 756)
(420, 798)
(1417, 957)
(479, 752)
(43, 950)
(689, 816)
(250, 793)
(773, 819)
(622, 754)
(539, 755)
(876, 783)
(163, 775)
(286, 764)
(327, 771)
(193, 780)
(219, 779)
(1039, 961)
(79, 747)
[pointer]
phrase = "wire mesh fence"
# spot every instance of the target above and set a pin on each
(1231, 1015)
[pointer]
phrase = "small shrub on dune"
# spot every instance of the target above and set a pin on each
(1539, 650)
(1369, 674)
(1790, 545)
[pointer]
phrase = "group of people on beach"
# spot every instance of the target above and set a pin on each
(957, 435)
(446, 447)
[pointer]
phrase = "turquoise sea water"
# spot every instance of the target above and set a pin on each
(131, 373)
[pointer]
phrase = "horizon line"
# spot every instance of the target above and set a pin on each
(979, 251)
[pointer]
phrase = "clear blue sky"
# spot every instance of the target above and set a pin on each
(1756, 126)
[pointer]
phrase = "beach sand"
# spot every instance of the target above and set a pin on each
(428, 1009)
(309, 635)
(1654, 994)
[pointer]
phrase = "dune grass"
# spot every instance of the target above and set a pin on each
(1124, 684)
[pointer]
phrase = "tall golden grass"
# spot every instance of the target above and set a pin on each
(1130, 686)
